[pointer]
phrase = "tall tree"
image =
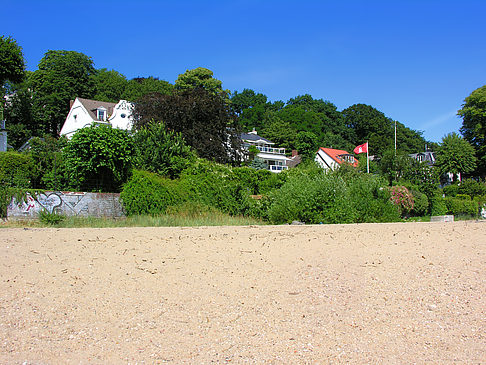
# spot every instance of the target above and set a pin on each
(455, 155)
(12, 65)
(141, 86)
(62, 76)
(205, 120)
(199, 78)
(473, 128)
(110, 85)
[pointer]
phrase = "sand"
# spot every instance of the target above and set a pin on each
(367, 293)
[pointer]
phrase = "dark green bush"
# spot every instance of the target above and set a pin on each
(461, 207)
(438, 205)
(149, 193)
(472, 188)
(16, 170)
(332, 198)
(463, 197)
(451, 190)
(421, 204)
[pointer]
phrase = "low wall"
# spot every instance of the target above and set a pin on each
(69, 204)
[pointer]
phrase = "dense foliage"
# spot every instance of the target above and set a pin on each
(98, 158)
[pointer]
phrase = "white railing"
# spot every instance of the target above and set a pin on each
(278, 151)
(277, 168)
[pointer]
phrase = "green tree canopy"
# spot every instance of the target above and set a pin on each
(98, 158)
(455, 155)
(141, 86)
(473, 128)
(206, 121)
(110, 85)
(62, 76)
(12, 65)
(199, 78)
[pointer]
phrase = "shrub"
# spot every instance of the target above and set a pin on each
(461, 207)
(451, 190)
(149, 193)
(402, 198)
(161, 151)
(421, 203)
(472, 188)
(332, 198)
(438, 205)
(463, 197)
(99, 158)
(50, 218)
(16, 170)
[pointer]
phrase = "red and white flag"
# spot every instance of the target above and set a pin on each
(362, 148)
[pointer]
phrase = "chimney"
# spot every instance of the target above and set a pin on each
(71, 102)
(295, 153)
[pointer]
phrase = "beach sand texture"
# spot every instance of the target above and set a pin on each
(361, 293)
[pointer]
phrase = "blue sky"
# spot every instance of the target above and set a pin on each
(415, 61)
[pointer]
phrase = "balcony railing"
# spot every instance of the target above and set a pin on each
(277, 168)
(278, 151)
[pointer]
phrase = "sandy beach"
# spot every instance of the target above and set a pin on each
(364, 293)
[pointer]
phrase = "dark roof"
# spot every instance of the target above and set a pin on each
(428, 157)
(253, 137)
(92, 105)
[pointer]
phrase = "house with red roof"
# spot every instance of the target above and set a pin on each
(330, 158)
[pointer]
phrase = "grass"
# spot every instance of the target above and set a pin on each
(185, 216)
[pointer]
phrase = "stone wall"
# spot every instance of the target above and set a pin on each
(69, 204)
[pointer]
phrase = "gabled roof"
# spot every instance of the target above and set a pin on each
(254, 138)
(337, 155)
(92, 105)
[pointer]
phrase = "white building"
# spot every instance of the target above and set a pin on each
(330, 158)
(273, 157)
(85, 112)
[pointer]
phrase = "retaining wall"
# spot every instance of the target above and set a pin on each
(68, 203)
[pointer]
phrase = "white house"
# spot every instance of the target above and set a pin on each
(273, 157)
(85, 112)
(329, 158)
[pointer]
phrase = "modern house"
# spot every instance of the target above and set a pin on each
(85, 112)
(273, 157)
(329, 158)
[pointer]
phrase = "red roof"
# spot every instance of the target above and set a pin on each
(338, 155)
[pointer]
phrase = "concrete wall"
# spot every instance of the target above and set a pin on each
(69, 204)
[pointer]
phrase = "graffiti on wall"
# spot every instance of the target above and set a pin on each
(69, 204)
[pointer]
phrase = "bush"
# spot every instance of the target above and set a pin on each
(421, 204)
(332, 198)
(472, 188)
(99, 158)
(50, 218)
(461, 207)
(463, 197)
(161, 151)
(451, 190)
(402, 198)
(438, 205)
(16, 170)
(149, 193)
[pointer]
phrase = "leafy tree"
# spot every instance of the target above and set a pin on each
(21, 120)
(199, 78)
(206, 121)
(473, 128)
(110, 85)
(455, 155)
(395, 165)
(48, 162)
(278, 131)
(62, 76)
(247, 99)
(12, 65)
(141, 86)
(161, 151)
(306, 143)
(98, 158)
(251, 108)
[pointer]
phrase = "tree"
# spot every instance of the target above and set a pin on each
(141, 86)
(205, 120)
(250, 107)
(455, 155)
(98, 158)
(110, 85)
(473, 128)
(161, 151)
(307, 145)
(62, 76)
(12, 65)
(199, 78)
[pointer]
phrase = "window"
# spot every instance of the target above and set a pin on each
(101, 113)
(123, 115)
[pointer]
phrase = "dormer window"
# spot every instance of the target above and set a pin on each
(101, 113)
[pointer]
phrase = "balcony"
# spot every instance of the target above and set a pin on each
(276, 151)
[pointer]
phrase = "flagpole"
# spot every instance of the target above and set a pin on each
(367, 158)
